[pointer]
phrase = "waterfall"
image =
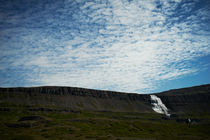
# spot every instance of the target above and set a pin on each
(158, 106)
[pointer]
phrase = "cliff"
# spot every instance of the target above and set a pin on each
(77, 99)
(186, 100)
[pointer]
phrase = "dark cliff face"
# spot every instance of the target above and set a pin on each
(78, 98)
(50, 90)
(187, 100)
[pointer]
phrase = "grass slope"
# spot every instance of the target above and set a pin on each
(37, 123)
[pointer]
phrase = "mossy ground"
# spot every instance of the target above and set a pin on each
(59, 123)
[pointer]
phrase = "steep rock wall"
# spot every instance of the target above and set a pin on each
(187, 100)
(77, 98)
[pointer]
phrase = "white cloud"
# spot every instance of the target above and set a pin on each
(118, 45)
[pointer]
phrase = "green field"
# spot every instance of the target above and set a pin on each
(33, 122)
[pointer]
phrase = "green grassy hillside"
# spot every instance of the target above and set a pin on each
(33, 122)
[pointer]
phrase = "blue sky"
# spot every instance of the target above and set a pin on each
(138, 46)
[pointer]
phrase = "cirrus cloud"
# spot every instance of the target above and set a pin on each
(123, 45)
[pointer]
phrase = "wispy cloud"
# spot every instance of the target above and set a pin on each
(116, 45)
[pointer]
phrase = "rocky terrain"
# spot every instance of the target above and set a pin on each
(77, 99)
(194, 99)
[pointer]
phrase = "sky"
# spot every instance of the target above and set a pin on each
(140, 46)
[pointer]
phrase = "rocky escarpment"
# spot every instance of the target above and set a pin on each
(77, 98)
(187, 100)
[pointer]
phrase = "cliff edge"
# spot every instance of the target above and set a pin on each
(186, 100)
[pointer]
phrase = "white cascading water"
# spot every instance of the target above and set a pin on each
(158, 105)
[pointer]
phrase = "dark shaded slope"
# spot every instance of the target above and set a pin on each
(187, 100)
(77, 99)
